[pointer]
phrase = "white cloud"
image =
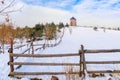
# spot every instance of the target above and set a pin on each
(32, 15)
(87, 12)
(92, 12)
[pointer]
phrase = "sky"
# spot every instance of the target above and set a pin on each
(103, 13)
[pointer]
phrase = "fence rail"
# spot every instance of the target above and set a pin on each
(104, 71)
(43, 56)
(42, 73)
(44, 64)
(102, 51)
(82, 63)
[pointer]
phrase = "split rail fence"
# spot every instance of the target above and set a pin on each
(82, 63)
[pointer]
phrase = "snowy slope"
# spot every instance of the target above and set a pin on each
(71, 41)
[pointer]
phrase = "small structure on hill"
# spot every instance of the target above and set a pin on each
(73, 21)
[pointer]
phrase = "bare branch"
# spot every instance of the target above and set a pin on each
(8, 6)
(5, 10)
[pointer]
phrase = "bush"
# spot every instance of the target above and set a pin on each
(35, 79)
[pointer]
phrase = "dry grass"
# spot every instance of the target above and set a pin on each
(69, 69)
(116, 76)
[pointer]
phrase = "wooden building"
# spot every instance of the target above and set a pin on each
(73, 21)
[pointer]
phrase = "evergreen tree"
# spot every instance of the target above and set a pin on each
(38, 30)
(61, 25)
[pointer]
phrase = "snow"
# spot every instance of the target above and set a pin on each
(71, 41)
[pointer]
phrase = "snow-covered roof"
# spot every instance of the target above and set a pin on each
(72, 18)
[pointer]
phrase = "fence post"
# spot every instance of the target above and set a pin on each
(83, 60)
(32, 47)
(83, 63)
(11, 57)
(80, 63)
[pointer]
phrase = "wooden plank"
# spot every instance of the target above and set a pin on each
(32, 46)
(25, 51)
(104, 71)
(11, 60)
(42, 73)
(81, 64)
(45, 55)
(44, 64)
(83, 55)
(84, 62)
(22, 52)
(20, 46)
(102, 62)
(102, 51)
(61, 73)
(43, 44)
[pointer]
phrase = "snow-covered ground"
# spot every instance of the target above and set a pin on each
(71, 41)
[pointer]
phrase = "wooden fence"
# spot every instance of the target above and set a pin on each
(82, 63)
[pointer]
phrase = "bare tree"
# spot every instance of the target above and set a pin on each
(7, 33)
(6, 28)
(6, 7)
